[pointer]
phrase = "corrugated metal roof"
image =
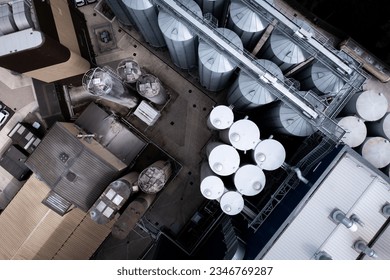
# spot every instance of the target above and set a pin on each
(352, 187)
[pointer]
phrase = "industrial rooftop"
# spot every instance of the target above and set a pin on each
(183, 129)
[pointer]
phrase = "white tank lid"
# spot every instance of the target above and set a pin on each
(221, 117)
(376, 150)
(232, 203)
(371, 105)
(355, 130)
(224, 160)
(212, 187)
(249, 180)
(269, 154)
(244, 135)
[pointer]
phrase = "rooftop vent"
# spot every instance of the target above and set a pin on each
(362, 247)
(338, 216)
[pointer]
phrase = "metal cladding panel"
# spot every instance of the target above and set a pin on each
(355, 128)
(351, 187)
(7, 23)
(381, 246)
(247, 93)
(380, 127)
(144, 15)
(376, 150)
(22, 15)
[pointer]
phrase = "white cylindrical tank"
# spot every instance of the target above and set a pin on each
(243, 135)
(215, 68)
(380, 127)
(181, 41)
(150, 87)
(153, 178)
(269, 154)
(144, 14)
(247, 93)
(376, 150)
(355, 130)
(211, 186)
(221, 117)
(223, 159)
(249, 180)
(283, 51)
(129, 70)
(232, 203)
(369, 105)
(246, 23)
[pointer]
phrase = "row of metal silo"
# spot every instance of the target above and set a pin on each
(227, 175)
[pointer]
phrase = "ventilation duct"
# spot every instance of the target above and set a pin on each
(7, 23)
(351, 223)
(22, 15)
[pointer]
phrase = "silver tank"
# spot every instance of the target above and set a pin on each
(376, 150)
(247, 93)
(380, 127)
(249, 180)
(215, 68)
(150, 87)
(144, 14)
(355, 130)
(220, 117)
(211, 186)
(231, 203)
(223, 159)
(129, 70)
(243, 135)
(180, 40)
(269, 154)
(246, 23)
(153, 178)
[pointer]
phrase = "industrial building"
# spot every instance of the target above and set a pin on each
(183, 129)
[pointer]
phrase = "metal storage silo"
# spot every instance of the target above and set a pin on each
(355, 130)
(380, 127)
(215, 68)
(249, 180)
(180, 40)
(129, 70)
(283, 51)
(104, 83)
(217, 8)
(211, 186)
(144, 14)
(153, 178)
(232, 203)
(223, 159)
(247, 93)
(246, 23)
(221, 117)
(150, 87)
(376, 150)
(369, 105)
(243, 135)
(269, 154)
(120, 11)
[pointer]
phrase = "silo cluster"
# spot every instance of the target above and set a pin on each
(227, 175)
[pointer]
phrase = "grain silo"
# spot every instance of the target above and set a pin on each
(247, 93)
(220, 117)
(369, 105)
(153, 178)
(211, 186)
(232, 203)
(150, 87)
(282, 50)
(355, 130)
(181, 41)
(129, 70)
(217, 8)
(215, 68)
(246, 23)
(223, 159)
(144, 14)
(243, 135)
(249, 180)
(376, 150)
(269, 154)
(380, 127)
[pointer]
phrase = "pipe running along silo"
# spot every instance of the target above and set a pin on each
(369, 105)
(220, 117)
(105, 83)
(243, 135)
(181, 41)
(231, 202)
(376, 150)
(246, 23)
(249, 180)
(215, 68)
(247, 93)
(144, 14)
(211, 186)
(223, 159)
(355, 130)
(129, 70)
(282, 50)
(150, 87)
(380, 127)
(269, 154)
(153, 178)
